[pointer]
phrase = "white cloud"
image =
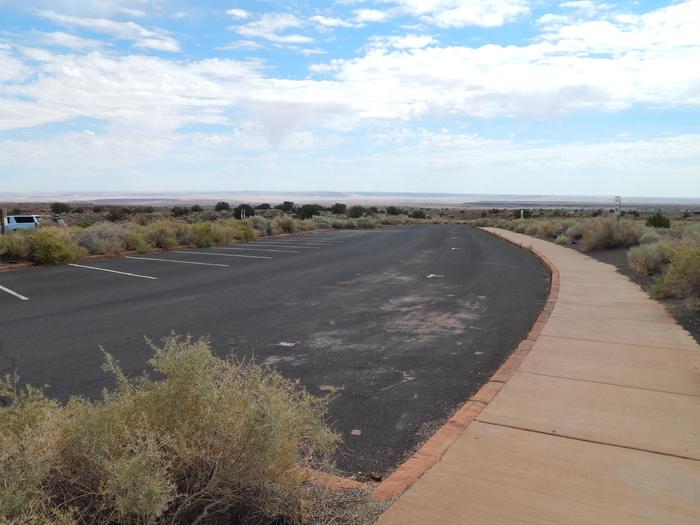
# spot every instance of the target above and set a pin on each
(132, 8)
(461, 13)
(67, 40)
(370, 15)
(327, 21)
(402, 42)
(141, 36)
(238, 14)
(273, 27)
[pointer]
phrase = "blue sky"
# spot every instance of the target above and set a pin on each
(501, 96)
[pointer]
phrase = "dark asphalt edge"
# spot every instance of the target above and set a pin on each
(432, 450)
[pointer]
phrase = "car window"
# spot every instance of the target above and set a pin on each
(24, 220)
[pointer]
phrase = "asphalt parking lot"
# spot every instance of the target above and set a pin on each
(402, 324)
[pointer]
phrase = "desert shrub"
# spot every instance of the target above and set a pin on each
(658, 220)
(561, 239)
(308, 211)
(284, 224)
(306, 225)
(180, 211)
(690, 235)
(648, 259)
(103, 238)
(418, 214)
(58, 208)
(532, 229)
(262, 224)
(196, 208)
(209, 434)
(649, 237)
(243, 211)
(224, 232)
(355, 212)
(366, 222)
(222, 206)
(605, 234)
(349, 224)
(322, 222)
(575, 231)
(15, 246)
(203, 233)
(338, 224)
(549, 229)
(136, 242)
(243, 231)
(682, 279)
(161, 234)
(520, 227)
(339, 208)
(54, 246)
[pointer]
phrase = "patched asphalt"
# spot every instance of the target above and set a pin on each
(400, 324)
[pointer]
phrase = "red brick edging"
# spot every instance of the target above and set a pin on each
(430, 453)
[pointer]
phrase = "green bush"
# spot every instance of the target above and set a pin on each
(658, 220)
(562, 240)
(136, 242)
(262, 224)
(682, 279)
(355, 212)
(210, 434)
(222, 206)
(649, 259)
(58, 208)
(418, 214)
(54, 246)
(203, 234)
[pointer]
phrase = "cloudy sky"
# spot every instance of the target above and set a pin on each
(467, 96)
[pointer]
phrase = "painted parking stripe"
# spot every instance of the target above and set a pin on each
(287, 246)
(257, 249)
(113, 271)
(228, 255)
(176, 261)
(19, 296)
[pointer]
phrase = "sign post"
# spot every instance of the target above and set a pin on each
(618, 206)
(3, 220)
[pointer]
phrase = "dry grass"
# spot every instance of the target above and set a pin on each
(211, 437)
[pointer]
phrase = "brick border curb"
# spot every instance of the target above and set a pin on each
(432, 450)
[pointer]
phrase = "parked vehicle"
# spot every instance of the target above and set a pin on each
(27, 222)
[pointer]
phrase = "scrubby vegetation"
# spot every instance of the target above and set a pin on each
(665, 250)
(112, 230)
(208, 438)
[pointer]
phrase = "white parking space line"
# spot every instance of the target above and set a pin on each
(19, 296)
(113, 271)
(176, 261)
(281, 245)
(257, 249)
(229, 255)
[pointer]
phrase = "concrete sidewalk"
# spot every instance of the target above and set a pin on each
(599, 425)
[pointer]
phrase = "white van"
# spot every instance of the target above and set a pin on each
(27, 222)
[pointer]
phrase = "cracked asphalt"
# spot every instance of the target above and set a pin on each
(401, 325)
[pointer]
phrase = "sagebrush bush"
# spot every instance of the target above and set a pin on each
(161, 234)
(262, 224)
(608, 233)
(54, 246)
(682, 279)
(649, 237)
(322, 222)
(284, 224)
(575, 231)
(690, 235)
(649, 259)
(15, 246)
(203, 233)
(136, 242)
(103, 238)
(209, 434)
(366, 222)
(562, 240)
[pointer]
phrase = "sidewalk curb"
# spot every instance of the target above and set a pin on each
(432, 451)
